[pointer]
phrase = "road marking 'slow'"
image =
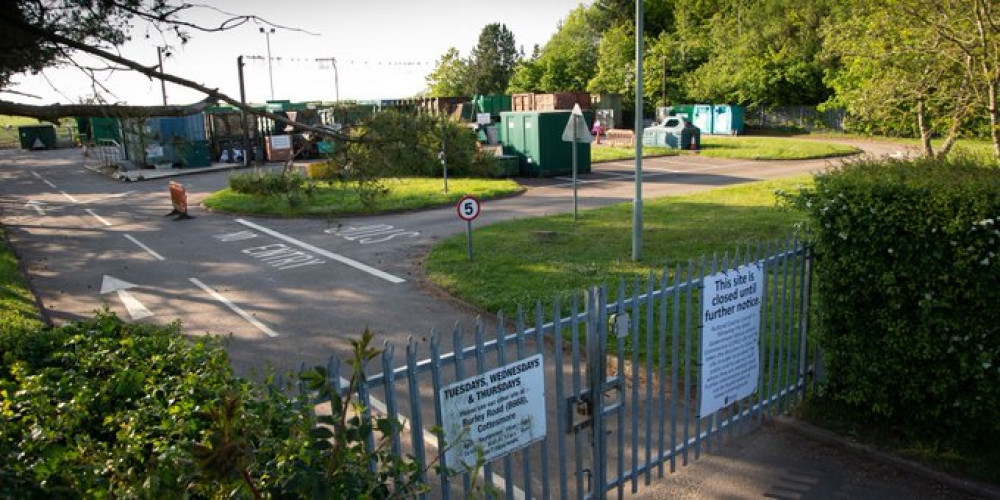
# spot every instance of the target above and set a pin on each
(98, 217)
(233, 307)
(141, 245)
(319, 251)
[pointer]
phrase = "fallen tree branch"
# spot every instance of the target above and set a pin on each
(53, 112)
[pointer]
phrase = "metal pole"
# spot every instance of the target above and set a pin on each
(270, 71)
(444, 152)
(576, 202)
(336, 80)
(468, 236)
(243, 114)
(637, 203)
(163, 83)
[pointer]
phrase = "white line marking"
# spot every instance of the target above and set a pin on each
(144, 247)
(330, 255)
(98, 217)
(37, 205)
(233, 307)
(53, 186)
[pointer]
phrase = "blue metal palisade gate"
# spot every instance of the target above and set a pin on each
(620, 379)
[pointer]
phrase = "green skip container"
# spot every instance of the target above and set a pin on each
(535, 137)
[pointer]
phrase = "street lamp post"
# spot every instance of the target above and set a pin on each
(637, 203)
(270, 72)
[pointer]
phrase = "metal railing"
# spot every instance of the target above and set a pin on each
(624, 372)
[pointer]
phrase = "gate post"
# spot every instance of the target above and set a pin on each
(596, 354)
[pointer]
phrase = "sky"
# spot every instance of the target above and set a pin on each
(383, 49)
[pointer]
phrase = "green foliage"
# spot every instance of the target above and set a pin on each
(493, 59)
(767, 53)
(17, 304)
(264, 183)
(566, 63)
(103, 408)
(396, 144)
(908, 276)
(451, 76)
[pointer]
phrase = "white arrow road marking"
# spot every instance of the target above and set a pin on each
(37, 205)
(135, 308)
(330, 255)
(233, 307)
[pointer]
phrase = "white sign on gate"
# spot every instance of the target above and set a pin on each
(499, 412)
(730, 356)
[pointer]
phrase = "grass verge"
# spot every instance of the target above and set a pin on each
(342, 199)
(771, 148)
(612, 153)
(17, 303)
(523, 261)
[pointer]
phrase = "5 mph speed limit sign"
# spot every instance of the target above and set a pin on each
(468, 208)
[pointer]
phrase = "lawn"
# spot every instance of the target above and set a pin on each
(17, 303)
(612, 153)
(341, 199)
(526, 260)
(771, 148)
(746, 148)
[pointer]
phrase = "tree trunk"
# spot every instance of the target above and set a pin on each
(994, 126)
(925, 130)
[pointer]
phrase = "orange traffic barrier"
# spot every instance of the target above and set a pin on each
(178, 197)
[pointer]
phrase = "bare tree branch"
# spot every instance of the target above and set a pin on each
(153, 72)
(53, 112)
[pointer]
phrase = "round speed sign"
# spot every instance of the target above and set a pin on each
(468, 208)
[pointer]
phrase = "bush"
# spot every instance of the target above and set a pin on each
(103, 408)
(266, 183)
(908, 281)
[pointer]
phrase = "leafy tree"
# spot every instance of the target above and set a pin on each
(568, 61)
(451, 76)
(899, 80)
(493, 60)
(765, 53)
(615, 62)
(527, 74)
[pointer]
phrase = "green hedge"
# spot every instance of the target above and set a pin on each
(908, 282)
(107, 409)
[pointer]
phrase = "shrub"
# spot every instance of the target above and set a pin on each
(291, 185)
(103, 408)
(908, 281)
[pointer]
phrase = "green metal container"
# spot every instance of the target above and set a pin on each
(493, 104)
(37, 136)
(535, 137)
(685, 110)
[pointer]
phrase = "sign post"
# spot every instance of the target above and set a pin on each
(468, 209)
(576, 132)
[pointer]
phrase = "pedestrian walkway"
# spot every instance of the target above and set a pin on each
(787, 459)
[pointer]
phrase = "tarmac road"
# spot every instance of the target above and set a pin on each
(289, 291)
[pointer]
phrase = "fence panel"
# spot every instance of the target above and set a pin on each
(618, 381)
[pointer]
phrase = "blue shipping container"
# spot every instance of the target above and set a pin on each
(727, 120)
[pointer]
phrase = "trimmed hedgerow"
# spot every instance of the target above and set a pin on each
(107, 409)
(908, 282)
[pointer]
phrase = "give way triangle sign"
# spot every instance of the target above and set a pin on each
(578, 124)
